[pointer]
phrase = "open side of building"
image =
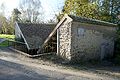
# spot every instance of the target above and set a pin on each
(32, 36)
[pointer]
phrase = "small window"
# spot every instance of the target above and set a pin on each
(81, 31)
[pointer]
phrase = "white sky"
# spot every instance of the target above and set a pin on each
(50, 7)
(9, 5)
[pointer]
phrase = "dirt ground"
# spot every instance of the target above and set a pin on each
(15, 66)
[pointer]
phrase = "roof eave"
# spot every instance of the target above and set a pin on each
(23, 36)
(91, 21)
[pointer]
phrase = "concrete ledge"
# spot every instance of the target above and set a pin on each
(28, 55)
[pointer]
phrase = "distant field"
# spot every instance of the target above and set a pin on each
(9, 37)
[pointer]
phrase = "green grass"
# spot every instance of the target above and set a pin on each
(9, 37)
(4, 44)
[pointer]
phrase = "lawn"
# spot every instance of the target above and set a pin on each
(7, 37)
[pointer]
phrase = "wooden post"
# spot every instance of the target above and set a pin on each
(8, 43)
(14, 44)
(58, 41)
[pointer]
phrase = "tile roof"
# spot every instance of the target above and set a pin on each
(35, 34)
(91, 21)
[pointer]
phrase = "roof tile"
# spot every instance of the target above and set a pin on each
(35, 34)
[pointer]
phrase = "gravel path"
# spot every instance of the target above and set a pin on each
(14, 66)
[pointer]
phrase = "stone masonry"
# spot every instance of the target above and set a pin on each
(92, 42)
(64, 40)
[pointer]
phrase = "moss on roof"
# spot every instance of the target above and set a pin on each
(35, 34)
(91, 21)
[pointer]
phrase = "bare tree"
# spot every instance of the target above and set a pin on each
(31, 10)
(2, 9)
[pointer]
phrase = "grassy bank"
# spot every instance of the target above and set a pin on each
(4, 44)
(7, 37)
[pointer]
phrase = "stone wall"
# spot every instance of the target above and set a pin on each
(91, 41)
(64, 40)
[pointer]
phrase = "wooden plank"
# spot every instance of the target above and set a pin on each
(28, 55)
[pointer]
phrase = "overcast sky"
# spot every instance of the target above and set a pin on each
(50, 7)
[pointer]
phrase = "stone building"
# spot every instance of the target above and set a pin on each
(75, 38)
(84, 39)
